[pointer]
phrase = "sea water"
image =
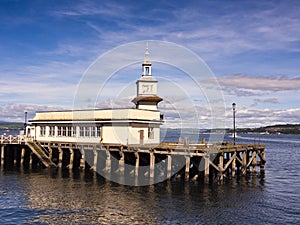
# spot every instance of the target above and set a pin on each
(46, 196)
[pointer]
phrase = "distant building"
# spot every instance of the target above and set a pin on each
(139, 125)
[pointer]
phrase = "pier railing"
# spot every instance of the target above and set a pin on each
(12, 139)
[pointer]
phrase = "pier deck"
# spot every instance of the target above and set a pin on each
(205, 161)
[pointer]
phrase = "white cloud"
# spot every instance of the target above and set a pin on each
(16, 112)
(264, 117)
(257, 101)
(107, 9)
(260, 83)
(51, 83)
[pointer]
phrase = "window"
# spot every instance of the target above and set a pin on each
(81, 131)
(52, 131)
(98, 132)
(93, 131)
(87, 131)
(69, 131)
(74, 131)
(150, 132)
(58, 131)
(64, 131)
(42, 130)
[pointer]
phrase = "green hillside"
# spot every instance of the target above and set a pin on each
(274, 129)
(11, 125)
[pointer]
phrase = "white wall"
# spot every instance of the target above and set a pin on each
(115, 134)
(148, 107)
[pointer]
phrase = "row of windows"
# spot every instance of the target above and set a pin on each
(70, 131)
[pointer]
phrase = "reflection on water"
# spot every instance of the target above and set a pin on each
(53, 196)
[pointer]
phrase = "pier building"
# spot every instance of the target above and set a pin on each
(139, 125)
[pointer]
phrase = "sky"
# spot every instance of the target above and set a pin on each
(251, 47)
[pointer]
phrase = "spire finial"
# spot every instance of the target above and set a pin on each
(147, 58)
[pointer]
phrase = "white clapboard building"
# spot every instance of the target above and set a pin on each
(139, 125)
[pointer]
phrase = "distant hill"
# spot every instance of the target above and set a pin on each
(274, 129)
(11, 125)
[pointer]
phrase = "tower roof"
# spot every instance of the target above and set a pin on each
(154, 99)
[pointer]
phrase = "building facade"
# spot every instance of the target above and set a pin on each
(139, 125)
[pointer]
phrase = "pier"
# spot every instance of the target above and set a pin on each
(189, 161)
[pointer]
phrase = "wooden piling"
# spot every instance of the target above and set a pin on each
(50, 151)
(244, 162)
(187, 167)
(2, 154)
(108, 161)
(262, 161)
(121, 163)
(221, 162)
(71, 158)
(206, 168)
(95, 161)
(30, 159)
(82, 159)
(137, 163)
(22, 155)
(60, 156)
(152, 164)
(233, 165)
(15, 154)
(254, 162)
(169, 166)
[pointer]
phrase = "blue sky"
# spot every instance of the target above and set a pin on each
(252, 47)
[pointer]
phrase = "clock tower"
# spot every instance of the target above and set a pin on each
(147, 87)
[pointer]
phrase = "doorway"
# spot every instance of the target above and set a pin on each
(141, 137)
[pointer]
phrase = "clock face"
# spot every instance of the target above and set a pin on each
(147, 88)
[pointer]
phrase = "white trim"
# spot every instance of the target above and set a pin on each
(96, 121)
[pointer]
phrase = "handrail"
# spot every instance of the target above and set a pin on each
(12, 139)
